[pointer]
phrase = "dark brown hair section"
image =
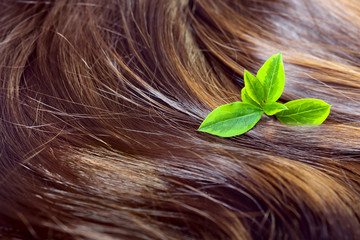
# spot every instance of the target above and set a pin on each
(100, 102)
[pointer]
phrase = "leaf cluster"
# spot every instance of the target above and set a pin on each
(259, 96)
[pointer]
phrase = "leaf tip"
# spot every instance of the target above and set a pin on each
(246, 72)
(201, 127)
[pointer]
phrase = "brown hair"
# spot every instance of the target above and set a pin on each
(100, 102)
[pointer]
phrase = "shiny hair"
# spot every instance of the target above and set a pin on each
(100, 102)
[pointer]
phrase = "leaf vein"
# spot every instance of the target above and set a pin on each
(302, 112)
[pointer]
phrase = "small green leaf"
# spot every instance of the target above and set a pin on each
(272, 108)
(231, 119)
(272, 77)
(246, 99)
(254, 88)
(304, 112)
(260, 95)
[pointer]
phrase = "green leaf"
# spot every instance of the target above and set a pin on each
(272, 108)
(304, 112)
(272, 77)
(254, 88)
(260, 95)
(246, 99)
(231, 119)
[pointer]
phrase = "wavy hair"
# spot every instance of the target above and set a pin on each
(100, 102)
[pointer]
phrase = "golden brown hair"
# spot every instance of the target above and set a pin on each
(100, 102)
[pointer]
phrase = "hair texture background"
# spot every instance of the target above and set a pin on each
(100, 102)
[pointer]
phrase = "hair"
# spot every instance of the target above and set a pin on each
(100, 102)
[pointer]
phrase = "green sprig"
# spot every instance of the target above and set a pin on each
(259, 96)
